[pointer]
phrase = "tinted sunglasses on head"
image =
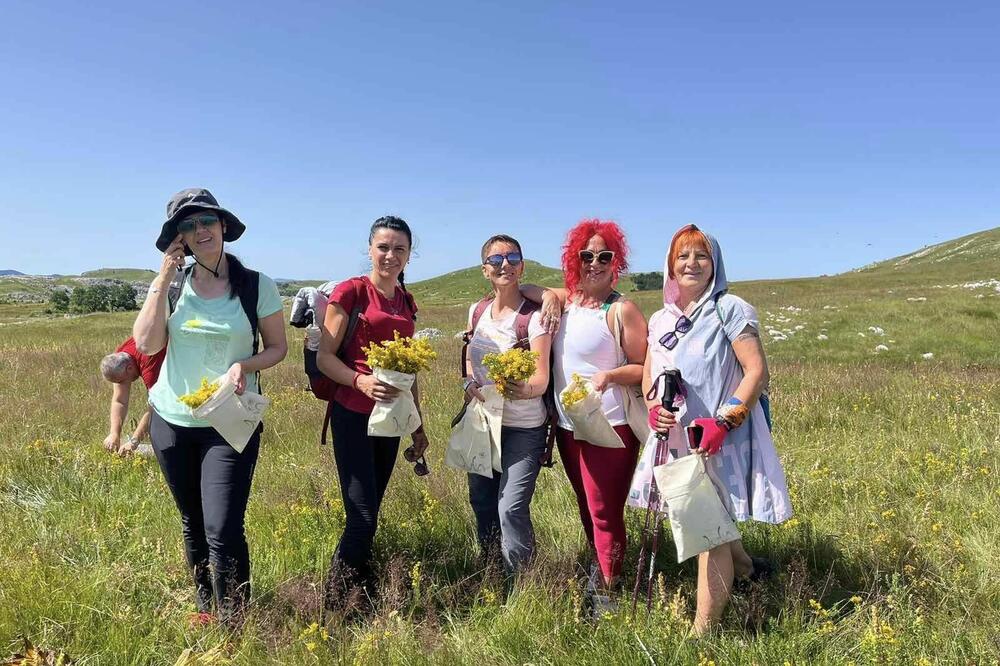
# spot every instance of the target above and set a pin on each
(190, 223)
(496, 260)
(670, 340)
(603, 257)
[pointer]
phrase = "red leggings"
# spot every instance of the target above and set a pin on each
(600, 478)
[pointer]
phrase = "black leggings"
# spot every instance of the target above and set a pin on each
(210, 483)
(364, 465)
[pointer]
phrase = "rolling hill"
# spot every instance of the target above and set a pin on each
(468, 284)
(126, 274)
(972, 257)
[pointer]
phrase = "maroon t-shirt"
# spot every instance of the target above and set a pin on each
(377, 322)
(149, 366)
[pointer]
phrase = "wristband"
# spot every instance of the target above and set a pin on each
(354, 382)
(733, 413)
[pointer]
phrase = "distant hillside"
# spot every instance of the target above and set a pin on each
(468, 284)
(126, 274)
(8, 271)
(972, 257)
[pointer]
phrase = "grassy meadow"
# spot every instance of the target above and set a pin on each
(892, 557)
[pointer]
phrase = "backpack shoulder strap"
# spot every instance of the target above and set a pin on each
(175, 289)
(249, 293)
(521, 321)
(360, 304)
(477, 314)
(718, 310)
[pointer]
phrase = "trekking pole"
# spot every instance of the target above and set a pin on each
(650, 542)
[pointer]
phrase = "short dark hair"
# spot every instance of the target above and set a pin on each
(500, 238)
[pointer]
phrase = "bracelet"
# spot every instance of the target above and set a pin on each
(467, 382)
(354, 382)
(154, 290)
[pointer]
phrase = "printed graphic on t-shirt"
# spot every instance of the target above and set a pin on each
(214, 338)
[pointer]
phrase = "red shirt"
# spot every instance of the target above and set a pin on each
(377, 322)
(149, 366)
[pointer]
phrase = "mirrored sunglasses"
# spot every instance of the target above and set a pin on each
(496, 260)
(670, 340)
(604, 256)
(190, 223)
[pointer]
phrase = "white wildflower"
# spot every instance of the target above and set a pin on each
(822, 337)
(928, 356)
(881, 348)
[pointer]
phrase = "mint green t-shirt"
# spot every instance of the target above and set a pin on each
(204, 337)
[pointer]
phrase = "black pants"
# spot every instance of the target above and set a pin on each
(364, 465)
(210, 483)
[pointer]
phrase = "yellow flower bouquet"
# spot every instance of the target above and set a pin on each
(396, 362)
(583, 407)
(513, 365)
(400, 354)
(575, 392)
(196, 399)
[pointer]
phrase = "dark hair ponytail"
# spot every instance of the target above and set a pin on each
(393, 223)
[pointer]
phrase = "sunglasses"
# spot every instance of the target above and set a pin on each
(496, 260)
(420, 467)
(190, 223)
(670, 340)
(604, 256)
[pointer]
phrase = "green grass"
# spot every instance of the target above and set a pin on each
(891, 459)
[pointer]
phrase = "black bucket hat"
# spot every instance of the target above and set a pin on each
(190, 201)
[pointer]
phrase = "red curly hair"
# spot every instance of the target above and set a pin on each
(577, 240)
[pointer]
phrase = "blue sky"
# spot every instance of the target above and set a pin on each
(809, 137)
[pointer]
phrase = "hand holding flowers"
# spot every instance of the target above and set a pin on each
(510, 371)
(395, 364)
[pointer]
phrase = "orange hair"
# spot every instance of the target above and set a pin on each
(691, 237)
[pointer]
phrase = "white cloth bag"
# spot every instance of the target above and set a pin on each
(588, 419)
(698, 518)
(398, 417)
(235, 417)
(470, 447)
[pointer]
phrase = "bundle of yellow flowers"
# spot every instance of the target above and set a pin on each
(575, 392)
(196, 399)
(513, 365)
(400, 354)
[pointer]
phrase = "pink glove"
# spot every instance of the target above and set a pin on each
(653, 411)
(706, 435)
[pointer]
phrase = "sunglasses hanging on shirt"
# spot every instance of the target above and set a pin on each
(670, 340)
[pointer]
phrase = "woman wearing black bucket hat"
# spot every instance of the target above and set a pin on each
(209, 320)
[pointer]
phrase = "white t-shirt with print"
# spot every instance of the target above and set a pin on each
(495, 336)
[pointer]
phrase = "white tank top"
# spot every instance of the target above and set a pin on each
(584, 344)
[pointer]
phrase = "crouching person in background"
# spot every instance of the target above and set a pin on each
(121, 368)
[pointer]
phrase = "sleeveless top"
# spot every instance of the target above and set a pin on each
(585, 345)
